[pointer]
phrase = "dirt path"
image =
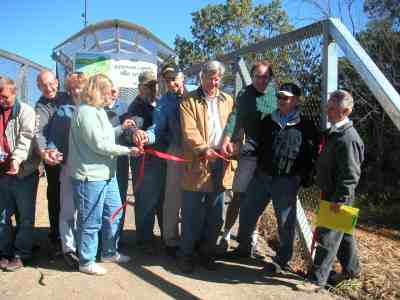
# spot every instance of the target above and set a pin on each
(151, 277)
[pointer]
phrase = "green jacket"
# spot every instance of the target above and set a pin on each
(92, 149)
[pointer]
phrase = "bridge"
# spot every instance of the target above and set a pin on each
(314, 53)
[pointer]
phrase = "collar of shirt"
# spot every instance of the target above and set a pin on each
(335, 127)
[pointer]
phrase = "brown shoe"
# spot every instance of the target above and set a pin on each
(4, 263)
(14, 264)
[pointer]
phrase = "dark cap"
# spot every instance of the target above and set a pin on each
(147, 77)
(289, 89)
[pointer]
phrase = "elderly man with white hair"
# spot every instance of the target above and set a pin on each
(338, 173)
(204, 114)
(45, 108)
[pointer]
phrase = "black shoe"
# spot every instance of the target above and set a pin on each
(171, 251)
(14, 264)
(208, 263)
(56, 247)
(335, 278)
(71, 260)
(256, 254)
(236, 254)
(273, 268)
(241, 253)
(186, 265)
(148, 248)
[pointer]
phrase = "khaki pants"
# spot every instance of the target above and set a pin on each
(173, 199)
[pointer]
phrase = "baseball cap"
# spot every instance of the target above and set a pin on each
(147, 77)
(169, 68)
(289, 89)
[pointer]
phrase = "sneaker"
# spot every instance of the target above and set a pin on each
(223, 246)
(308, 287)
(71, 259)
(4, 263)
(117, 258)
(14, 265)
(186, 265)
(93, 269)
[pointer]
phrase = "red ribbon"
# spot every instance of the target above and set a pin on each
(161, 155)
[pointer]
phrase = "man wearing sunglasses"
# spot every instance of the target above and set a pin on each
(287, 149)
(253, 103)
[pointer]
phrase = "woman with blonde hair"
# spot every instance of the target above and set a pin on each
(92, 157)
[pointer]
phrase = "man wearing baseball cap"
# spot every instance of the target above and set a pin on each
(167, 126)
(286, 153)
(149, 194)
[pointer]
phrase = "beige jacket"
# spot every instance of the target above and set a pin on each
(19, 132)
(195, 140)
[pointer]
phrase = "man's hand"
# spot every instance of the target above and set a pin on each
(335, 207)
(135, 151)
(211, 154)
(128, 123)
(52, 157)
(227, 146)
(140, 138)
(14, 168)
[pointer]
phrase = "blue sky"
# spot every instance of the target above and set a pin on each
(31, 28)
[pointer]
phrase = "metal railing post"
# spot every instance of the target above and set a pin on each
(329, 71)
(21, 82)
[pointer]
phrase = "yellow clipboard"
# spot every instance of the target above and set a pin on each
(344, 221)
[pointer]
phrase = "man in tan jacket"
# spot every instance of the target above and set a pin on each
(204, 113)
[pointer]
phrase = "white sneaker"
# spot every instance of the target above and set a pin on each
(117, 258)
(93, 269)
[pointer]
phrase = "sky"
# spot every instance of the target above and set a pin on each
(32, 28)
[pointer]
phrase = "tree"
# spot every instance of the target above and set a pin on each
(223, 28)
(386, 10)
(381, 40)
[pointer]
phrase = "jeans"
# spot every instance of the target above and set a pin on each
(148, 199)
(330, 244)
(122, 179)
(67, 212)
(18, 196)
(53, 200)
(202, 216)
(96, 202)
(283, 192)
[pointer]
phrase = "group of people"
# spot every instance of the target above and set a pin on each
(259, 146)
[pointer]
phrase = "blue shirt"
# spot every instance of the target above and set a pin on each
(167, 123)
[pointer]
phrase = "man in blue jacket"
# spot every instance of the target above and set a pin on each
(167, 127)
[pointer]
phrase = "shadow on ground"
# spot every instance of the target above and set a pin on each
(242, 271)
